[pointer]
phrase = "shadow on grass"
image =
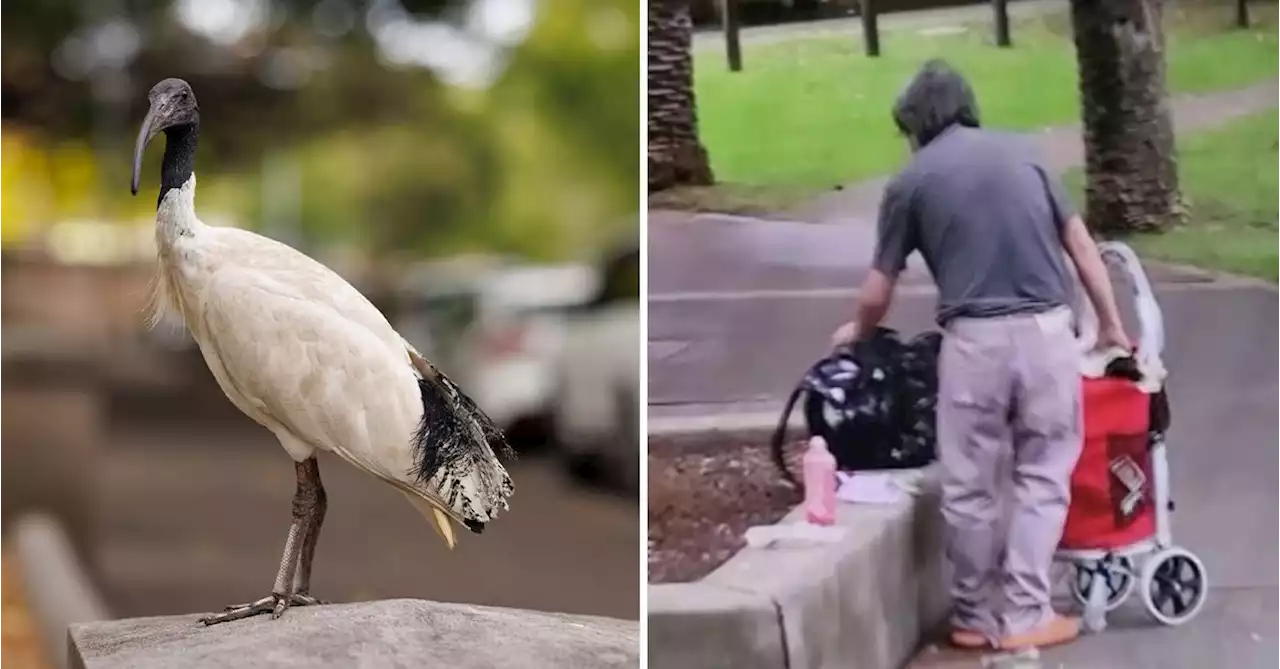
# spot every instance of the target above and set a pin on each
(731, 198)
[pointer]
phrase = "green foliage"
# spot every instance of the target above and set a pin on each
(568, 115)
(814, 112)
(542, 163)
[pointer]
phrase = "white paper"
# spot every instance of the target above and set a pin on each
(870, 488)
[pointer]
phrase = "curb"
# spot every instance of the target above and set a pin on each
(58, 587)
(707, 432)
(862, 603)
(727, 422)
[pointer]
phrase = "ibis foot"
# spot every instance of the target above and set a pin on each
(274, 604)
(296, 599)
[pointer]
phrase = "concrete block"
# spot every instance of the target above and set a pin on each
(863, 603)
(705, 626)
(401, 633)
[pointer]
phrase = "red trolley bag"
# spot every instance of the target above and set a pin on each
(1111, 487)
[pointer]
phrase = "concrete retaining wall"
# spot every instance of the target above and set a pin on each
(863, 603)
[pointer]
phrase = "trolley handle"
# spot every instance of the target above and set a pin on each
(1150, 317)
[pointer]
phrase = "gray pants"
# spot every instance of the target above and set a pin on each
(1009, 393)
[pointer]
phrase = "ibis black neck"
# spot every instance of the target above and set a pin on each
(179, 157)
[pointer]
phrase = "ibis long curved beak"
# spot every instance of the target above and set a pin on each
(145, 135)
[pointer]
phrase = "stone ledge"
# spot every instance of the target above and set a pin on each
(710, 626)
(863, 603)
(709, 430)
(400, 633)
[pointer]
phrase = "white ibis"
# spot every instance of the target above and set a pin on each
(303, 353)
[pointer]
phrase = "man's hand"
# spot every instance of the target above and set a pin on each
(1097, 283)
(844, 334)
(873, 303)
(1114, 337)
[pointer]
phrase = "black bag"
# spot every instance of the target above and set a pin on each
(873, 403)
(1158, 416)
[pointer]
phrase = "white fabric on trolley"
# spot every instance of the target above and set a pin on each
(1150, 347)
(1094, 366)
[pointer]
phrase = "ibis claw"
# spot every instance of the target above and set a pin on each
(281, 605)
(274, 604)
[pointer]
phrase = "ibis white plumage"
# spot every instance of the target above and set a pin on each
(305, 355)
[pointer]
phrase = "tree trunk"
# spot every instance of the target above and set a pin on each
(870, 28)
(1130, 163)
(732, 34)
(1242, 14)
(1001, 9)
(676, 155)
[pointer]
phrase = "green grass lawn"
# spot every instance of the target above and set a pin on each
(810, 113)
(1228, 178)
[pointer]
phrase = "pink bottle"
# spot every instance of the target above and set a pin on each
(819, 483)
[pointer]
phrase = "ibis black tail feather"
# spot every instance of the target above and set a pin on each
(457, 450)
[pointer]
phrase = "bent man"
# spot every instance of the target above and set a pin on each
(992, 224)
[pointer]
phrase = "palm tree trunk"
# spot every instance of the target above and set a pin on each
(676, 155)
(1001, 8)
(1130, 161)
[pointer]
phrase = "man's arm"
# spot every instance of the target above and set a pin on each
(1084, 255)
(895, 240)
(874, 299)
(1093, 272)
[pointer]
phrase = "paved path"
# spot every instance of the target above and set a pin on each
(742, 351)
(736, 336)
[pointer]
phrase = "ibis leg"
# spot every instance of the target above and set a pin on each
(309, 475)
(305, 502)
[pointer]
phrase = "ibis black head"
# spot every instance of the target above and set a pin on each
(173, 109)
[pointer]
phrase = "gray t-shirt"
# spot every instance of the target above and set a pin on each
(977, 206)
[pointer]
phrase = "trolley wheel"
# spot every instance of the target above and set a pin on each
(1174, 585)
(1120, 574)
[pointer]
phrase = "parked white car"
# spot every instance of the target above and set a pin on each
(437, 302)
(497, 329)
(597, 379)
(511, 349)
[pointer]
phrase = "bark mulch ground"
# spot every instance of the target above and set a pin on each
(702, 501)
(19, 641)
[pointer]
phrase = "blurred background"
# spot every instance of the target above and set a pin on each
(470, 165)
